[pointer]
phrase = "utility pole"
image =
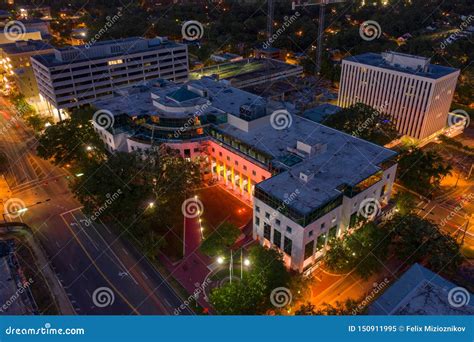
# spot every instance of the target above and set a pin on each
(322, 6)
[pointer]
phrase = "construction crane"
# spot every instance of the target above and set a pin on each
(322, 4)
(270, 15)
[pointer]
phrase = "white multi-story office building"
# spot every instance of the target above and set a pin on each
(307, 181)
(74, 76)
(414, 92)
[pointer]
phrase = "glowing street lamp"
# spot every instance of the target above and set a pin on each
(220, 260)
(151, 205)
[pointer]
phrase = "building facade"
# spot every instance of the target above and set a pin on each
(415, 93)
(16, 66)
(307, 182)
(74, 76)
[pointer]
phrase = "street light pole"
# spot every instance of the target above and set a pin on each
(241, 264)
(231, 265)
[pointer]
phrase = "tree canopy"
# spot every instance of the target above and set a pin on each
(421, 171)
(416, 239)
(252, 295)
(220, 240)
(364, 122)
(365, 250)
(72, 141)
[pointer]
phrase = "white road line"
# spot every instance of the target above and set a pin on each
(109, 248)
(82, 229)
(144, 275)
(429, 211)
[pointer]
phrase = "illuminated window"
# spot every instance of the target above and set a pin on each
(117, 61)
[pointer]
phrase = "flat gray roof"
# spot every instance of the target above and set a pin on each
(420, 291)
(50, 60)
(25, 46)
(344, 160)
(434, 71)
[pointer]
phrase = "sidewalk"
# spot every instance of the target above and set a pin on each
(53, 283)
(192, 271)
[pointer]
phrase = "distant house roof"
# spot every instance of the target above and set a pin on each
(420, 291)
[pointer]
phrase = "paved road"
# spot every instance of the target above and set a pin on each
(453, 211)
(85, 257)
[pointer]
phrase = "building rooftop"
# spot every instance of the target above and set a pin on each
(339, 159)
(409, 64)
(419, 291)
(104, 49)
(132, 100)
(214, 96)
(23, 46)
(240, 72)
(332, 159)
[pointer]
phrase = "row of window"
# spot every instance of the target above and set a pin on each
(277, 239)
(267, 216)
(236, 163)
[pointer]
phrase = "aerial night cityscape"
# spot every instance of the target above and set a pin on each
(310, 162)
